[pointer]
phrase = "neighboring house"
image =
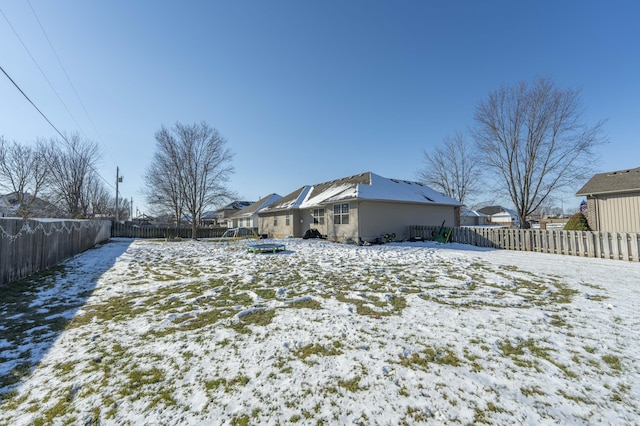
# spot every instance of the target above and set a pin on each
(9, 207)
(358, 208)
(498, 215)
(229, 210)
(248, 217)
(472, 218)
(613, 201)
(209, 219)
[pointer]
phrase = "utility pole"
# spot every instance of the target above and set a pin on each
(118, 180)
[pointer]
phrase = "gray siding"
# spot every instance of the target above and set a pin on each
(378, 218)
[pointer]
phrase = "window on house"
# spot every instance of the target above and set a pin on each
(318, 216)
(275, 219)
(341, 214)
(287, 220)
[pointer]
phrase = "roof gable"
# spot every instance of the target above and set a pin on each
(612, 182)
(261, 203)
(289, 201)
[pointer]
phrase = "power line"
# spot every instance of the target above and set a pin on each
(43, 73)
(49, 121)
(68, 78)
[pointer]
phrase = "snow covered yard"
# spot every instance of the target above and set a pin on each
(149, 332)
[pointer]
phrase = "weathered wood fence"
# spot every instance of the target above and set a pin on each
(605, 245)
(32, 245)
(134, 231)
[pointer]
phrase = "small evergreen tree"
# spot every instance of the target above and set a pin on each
(577, 222)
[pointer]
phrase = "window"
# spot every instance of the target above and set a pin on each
(341, 214)
(275, 219)
(286, 219)
(318, 216)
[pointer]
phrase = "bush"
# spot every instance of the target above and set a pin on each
(577, 222)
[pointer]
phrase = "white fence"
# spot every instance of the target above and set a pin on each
(605, 245)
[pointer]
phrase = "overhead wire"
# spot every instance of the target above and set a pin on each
(43, 74)
(49, 121)
(68, 78)
(64, 138)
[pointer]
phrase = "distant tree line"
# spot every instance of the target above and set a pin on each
(528, 143)
(55, 178)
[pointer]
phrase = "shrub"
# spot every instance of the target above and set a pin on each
(577, 222)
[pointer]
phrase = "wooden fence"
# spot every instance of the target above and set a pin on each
(605, 245)
(31, 245)
(134, 231)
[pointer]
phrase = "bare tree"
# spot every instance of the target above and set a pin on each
(73, 171)
(452, 169)
(96, 201)
(162, 187)
(534, 140)
(196, 159)
(24, 170)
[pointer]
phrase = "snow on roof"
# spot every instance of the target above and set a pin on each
(382, 188)
(257, 206)
(333, 193)
(471, 213)
(290, 201)
(364, 186)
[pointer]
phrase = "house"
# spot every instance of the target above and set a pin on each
(229, 210)
(359, 208)
(10, 207)
(613, 201)
(248, 217)
(498, 215)
(472, 218)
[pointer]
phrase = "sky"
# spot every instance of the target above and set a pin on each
(307, 92)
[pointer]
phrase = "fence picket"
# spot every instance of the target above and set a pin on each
(635, 249)
(569, 243)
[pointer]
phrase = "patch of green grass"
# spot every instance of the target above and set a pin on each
(352, 385)
(532, 391)
(58, 410)
(612, 361)
(305, 303)
(319, 350)
(242, 420)
(431, 355)
(392, 305)
(259, 317)
(227, 385)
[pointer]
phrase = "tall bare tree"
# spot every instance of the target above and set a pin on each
(534, 139)
(162, 188)
(24, 170)
(96, 201)
(73, 172)
(196, 159)
(452, 169)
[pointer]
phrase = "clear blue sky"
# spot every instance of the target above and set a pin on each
(309, 91)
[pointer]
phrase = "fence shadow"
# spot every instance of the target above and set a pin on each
(35, 311)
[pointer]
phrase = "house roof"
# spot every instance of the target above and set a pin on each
(612, 182)
(497, 210)
(289, 201)
(363, 186)
(236, 205)
(253, 208)
(471, 213)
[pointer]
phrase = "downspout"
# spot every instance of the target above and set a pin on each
(598, 224)
(360, 242)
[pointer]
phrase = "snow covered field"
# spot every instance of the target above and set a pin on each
(149, 332)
